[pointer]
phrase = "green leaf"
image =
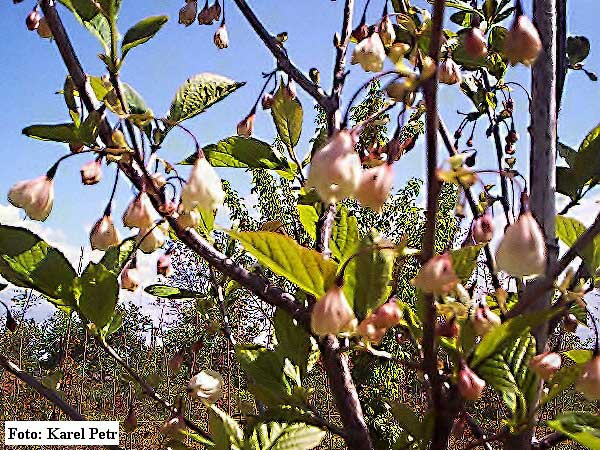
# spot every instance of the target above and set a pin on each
(116, 258)
(367, 277)
(569, 230)
(195, 437)
(461, 6)
(99, 294)
(240, 152)
(114, 324)
(98, 25)
(508, 373)
(464, 261)
(344, 234)
(63, 132)
(28, 261)
(561, 380)
(287, 115)
(142, 32)
(171, 292)
(293, 342)
(283, 436)
(496, 38)
(578, 49)
(224, 430)
(135, 102)
(199, 93)
(407, 419)
(586, 162)
(567, 182)
(579, 356)
(303, 266)
(579, 426)
(308, 218)
(494, 341)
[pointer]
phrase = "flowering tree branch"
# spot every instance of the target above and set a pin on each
(47, 393)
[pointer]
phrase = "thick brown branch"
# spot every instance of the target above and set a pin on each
(283, 62)
(47, 393)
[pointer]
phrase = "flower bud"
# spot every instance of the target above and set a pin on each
(222, 37)
(104, 234)
(75, 147)
(448, 328)
(387, 32)
(546, 364)
(43, 29)
(267, 101)
(449, 72)
(589, 380)
(361, 32)
(140, 212)
(397, 52)
(206, 385)
(246, 125)
(374, 186)
(512, 137)
(335, 169)
(163, 265)
(33, 20)
(522, 43)
(484, 320)
(437, 276)
(175, 362)
(174, 426)
(203, 188)
(570, 323)
(387, 315)
(187, 14)
(215, 10)
(291, 91)
(130, 278)
(91, 172)
(205, 17)
(522, 251)
(34, 196)
(332, 314)
(469, 384)
(130, 423)
(401, 91)
(150, 239)
(370, 332)
(369, 53)
(483, 229)
(475, 43)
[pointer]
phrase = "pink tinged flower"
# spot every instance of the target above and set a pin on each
(206, 385)
(34, 196)
(376, 324)
(203, 189)
(589, 381)
(475, 43)
(483, 229)
(449, 72)
(522, 251)
(484, 320)
(545, 364)
(140, 213)
(335, 169)
(375, 185)
(33, 20)
(370, 332)
(163, 265)
(91, 172)
(469, 384)
(291, 91)
(150, 239)
(437, 276)
(222, 37)
(187, 14)
(246, 125)
(267, 101)
(522, 43)
(130, 278)
(104, 234)
(332, 314)
(369, 53)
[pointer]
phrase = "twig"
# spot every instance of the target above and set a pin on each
(47, 393)
(477, 431)
(549, 441)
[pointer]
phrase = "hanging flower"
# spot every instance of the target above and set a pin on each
(397, 52)
(375, 185)
(361, 31)
(522, 251)
(546, 364)
(187, 14)
(205, 17)
(130, 278)
(437, 276)
(475, 43)
(483, 229)
(484, 319)
(522, 43)
(335, 169)
(140, 212)
(104, 234)
(369, 53)
(164, 266)
(34, 196)
(189, 219)
(203, 189)
(150, 239)
(332, 314)
(469, 384)
(267, 101)
(291, 91)
(215, 10)
(33, 20)
(246, 125)
(449, 72)
(174, 426)
(387, 32)
(91, 172)
(206, 385)
(222, 37)
(589, 381)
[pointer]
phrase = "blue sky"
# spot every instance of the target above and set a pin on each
(31, 73)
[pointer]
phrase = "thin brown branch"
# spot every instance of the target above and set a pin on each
(283, 61)
(47, 393)
(549, 441)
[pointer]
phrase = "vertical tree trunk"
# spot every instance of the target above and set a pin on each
(542, 163)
